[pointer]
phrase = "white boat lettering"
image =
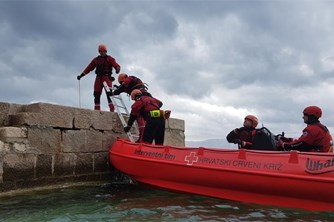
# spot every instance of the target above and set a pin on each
(320, 166)
(215, 161)
(247, 164)
(169, 156)
(150, 154)
(273, 166)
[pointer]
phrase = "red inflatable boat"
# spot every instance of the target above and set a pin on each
(286, 179)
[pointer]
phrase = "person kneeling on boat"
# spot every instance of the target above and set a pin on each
(149, 108)
(315, 138)
(243, 136)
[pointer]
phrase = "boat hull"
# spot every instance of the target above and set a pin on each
(286, 179)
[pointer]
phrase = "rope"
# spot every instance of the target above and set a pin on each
(79, 95)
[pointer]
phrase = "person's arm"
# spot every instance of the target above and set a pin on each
(135, 112)
(91, 66)
(119, 90)
(300, 144)
(233, 136)
(114, 64)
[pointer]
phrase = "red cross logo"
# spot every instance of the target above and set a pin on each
(192, 158)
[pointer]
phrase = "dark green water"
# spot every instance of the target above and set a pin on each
(138, 203)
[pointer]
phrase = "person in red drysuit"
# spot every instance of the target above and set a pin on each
(315, 138)
(103, 65)
(127, 85)
(243, 136)
(149, 108)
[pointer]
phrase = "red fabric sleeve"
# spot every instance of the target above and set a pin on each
(91, 66)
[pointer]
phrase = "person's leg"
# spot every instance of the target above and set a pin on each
(109, 83)
(141, 127)
(160, 132)
(148, 134)
(97, 93)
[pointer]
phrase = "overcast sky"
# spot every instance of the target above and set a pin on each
(211, 62)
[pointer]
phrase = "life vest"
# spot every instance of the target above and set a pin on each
(246, 134)
(135, 83)
(103, 66)
(150, 107)
(326, 142)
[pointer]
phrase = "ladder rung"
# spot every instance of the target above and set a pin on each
(118, 98)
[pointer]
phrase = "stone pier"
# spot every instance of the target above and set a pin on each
(43, 144)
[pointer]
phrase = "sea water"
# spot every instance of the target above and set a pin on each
(107, 202)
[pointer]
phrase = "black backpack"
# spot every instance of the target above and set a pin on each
(264, 140)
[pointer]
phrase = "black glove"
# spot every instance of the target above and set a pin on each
(286, 140)
(117, 92)
(127, 129)
(80, 76)
(237, 141)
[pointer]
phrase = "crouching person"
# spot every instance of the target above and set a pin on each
(148, 108)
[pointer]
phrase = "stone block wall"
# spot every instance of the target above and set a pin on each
(42, 144)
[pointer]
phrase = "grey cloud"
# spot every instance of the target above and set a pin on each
(259, 56)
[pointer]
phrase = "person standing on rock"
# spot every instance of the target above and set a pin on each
(103, 65)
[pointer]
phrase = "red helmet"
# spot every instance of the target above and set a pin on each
(254, 120)
(122, 77)
(102, 48)
(313, 111)
(134, 93)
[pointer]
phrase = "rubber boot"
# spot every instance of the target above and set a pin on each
(97, 107)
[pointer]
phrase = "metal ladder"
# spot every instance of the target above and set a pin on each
(123, 113)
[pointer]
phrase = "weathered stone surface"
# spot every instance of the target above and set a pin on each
(18, 167)
(176, 124)
(44, 140)
(13, 134)
(104, 120)
(82, 141)
(28, 119)
(108, 138)
(44, 165)
(101, 162)
(43, 144)
(83, 119)
(64, 164)
(84, 163)
(7, 109)
(174, 137)
(22, 147)
(57, 116)
(4, 148)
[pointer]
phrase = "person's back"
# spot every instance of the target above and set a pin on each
(129, 83)
(148, 108)
(319, 137)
